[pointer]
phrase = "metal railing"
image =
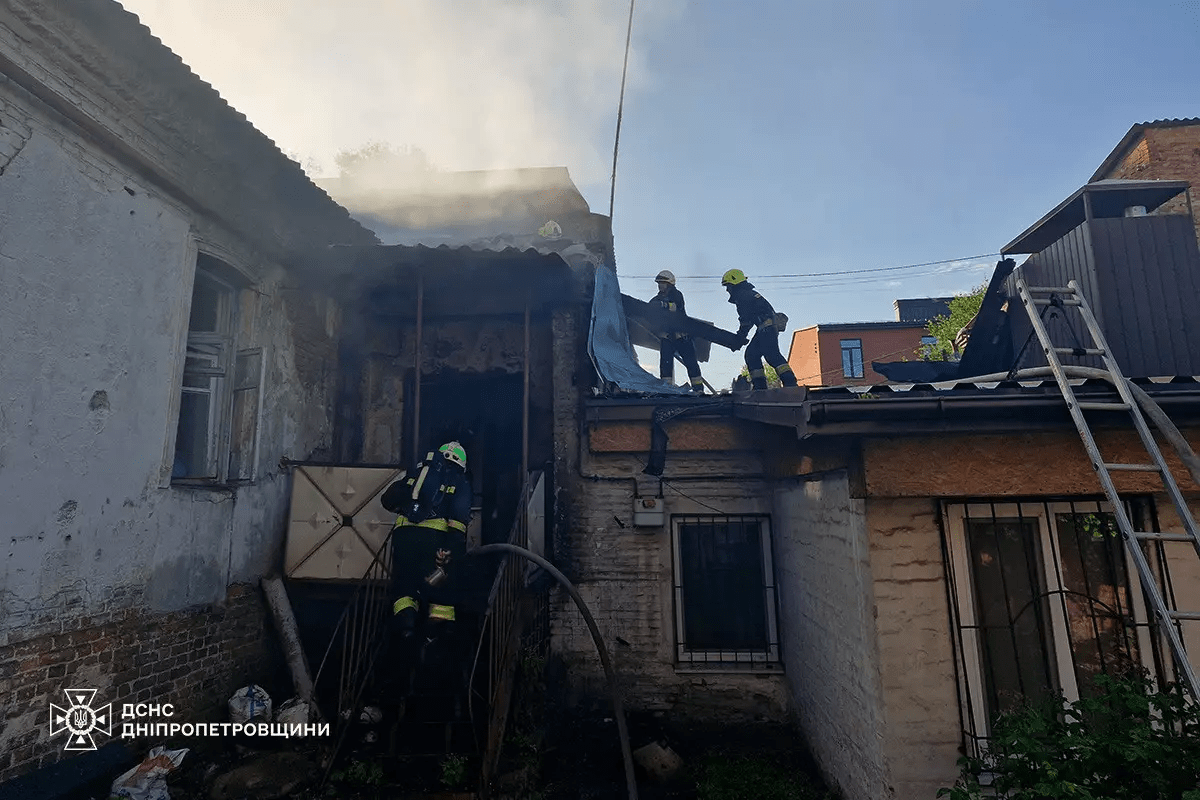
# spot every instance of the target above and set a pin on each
(511, 607)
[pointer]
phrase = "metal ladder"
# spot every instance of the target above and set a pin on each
(1071, 295)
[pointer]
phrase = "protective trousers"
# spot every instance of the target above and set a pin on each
(424, 563)
(765, 345)
(686, 349)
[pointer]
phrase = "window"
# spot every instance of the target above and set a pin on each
(724, 590)
(852, 358)
(1043, 603)
(221, 395)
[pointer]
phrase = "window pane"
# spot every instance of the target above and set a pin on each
(1097, 602)
(193, 436)
(247, 368)
(724, 606)
(208, 304)
(1010, 610)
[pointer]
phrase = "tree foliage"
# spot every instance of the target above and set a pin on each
(963, 309)
(383, 158)
(772, 377)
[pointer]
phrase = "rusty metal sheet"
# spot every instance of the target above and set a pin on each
(336, 524)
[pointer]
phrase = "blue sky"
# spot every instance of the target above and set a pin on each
(778, 137)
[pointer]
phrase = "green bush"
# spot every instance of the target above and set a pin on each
(745, 778)
(1125, 741)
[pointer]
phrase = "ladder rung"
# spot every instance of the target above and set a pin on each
(1184, 614)
(1071, 301)
(1050, 289)
(1104, 406)
(1152, 536)
(1134, 467)
(1079, 351)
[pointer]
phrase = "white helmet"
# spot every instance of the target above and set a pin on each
(666, 276)
(455, 453)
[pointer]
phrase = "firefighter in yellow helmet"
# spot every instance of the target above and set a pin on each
(755, 312)
(670, 299)
(433, 506)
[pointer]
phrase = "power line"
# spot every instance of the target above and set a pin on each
(612, 193)
(847, 271)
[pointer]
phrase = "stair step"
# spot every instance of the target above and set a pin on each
(1079, 351)
(1134, 467)
(1184, 615)
(1070, 301)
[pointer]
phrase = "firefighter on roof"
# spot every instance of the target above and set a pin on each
(433, 504)
(755, 312)
(670, 299)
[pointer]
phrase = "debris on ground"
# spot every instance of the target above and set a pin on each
(660, 763)
(250, 704)
(148, 780)
(264, 777)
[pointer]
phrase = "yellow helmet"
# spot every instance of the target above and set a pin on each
(733, 277)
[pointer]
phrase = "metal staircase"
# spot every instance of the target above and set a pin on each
(1061, 298)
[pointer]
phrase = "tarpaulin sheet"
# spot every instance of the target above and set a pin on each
(609, 344)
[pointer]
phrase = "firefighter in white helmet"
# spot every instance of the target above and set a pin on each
(675, 342)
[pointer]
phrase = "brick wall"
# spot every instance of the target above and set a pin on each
(193, 660)
(816, 353)
(1171, 153)
(625, 573)
(827, 611)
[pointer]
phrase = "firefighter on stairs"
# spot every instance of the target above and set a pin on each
(433, 506)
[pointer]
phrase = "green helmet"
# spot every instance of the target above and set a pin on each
(454, 453)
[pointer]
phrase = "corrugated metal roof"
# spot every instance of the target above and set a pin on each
(1130, 139)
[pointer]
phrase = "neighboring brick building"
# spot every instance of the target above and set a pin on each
(841, 353)
(160, 356)
(1165, 149)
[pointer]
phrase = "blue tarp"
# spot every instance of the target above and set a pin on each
(609, 344)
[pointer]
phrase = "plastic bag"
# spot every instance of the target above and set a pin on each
(294, 712)
(148, 780)
(250, 703)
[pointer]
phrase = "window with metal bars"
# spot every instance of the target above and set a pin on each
(725, 604)
(1042, 601)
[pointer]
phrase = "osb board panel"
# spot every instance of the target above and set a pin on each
(694, 435)
(1007, 465)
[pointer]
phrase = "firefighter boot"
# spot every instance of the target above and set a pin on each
(758, 379)
(698, 385)
(786, 376)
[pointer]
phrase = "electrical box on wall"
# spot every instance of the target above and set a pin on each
(649, 512)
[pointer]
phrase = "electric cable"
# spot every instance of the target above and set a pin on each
(612, 192)
(848, 271)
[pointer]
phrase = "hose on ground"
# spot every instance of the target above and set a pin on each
(605, 661)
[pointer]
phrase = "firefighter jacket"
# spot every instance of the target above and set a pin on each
(433, 494)
(672, 301)
(752, 308)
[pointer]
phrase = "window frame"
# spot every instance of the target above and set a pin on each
(685, 657)
(234, 325)
(961, 593)
(849, 347)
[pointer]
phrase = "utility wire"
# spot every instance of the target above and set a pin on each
(612, 194)
(846, 271)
